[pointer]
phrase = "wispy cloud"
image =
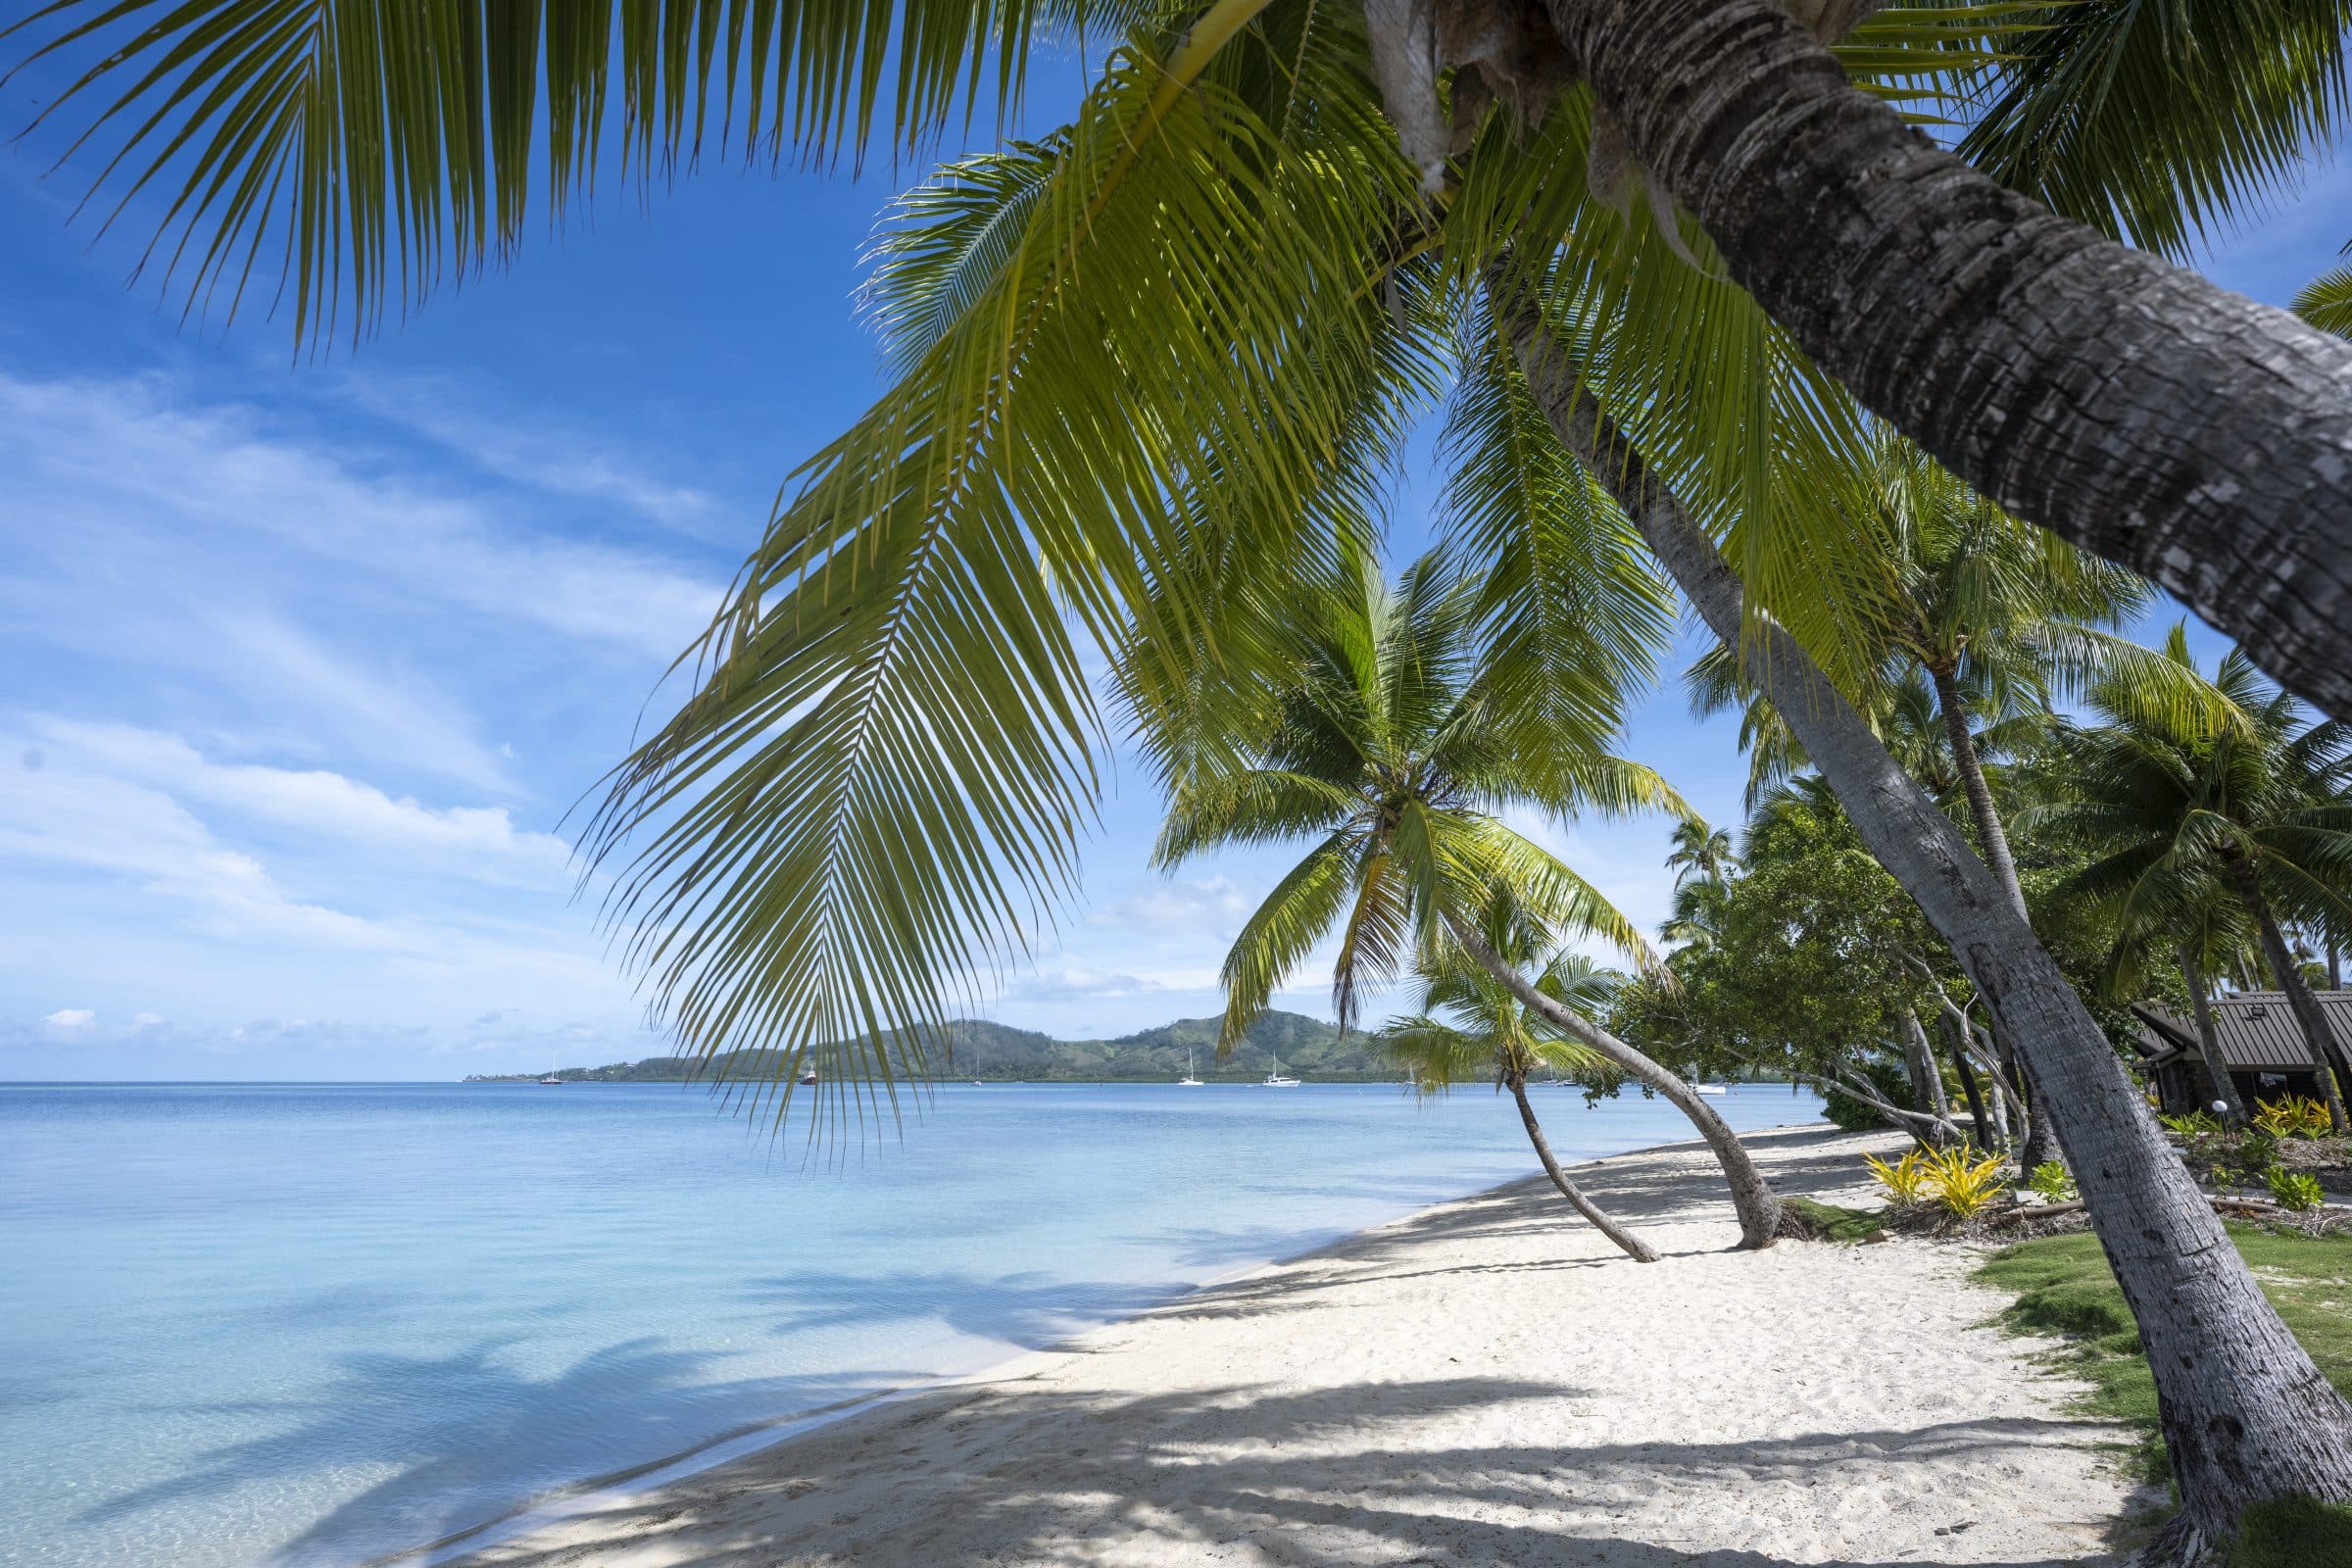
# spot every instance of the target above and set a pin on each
(542, 454)
(479, 841)
(76, 452)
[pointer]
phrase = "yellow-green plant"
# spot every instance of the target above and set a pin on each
(1905, 1180)
(2295, 1116)
(2193, 1124)
(1965, 1185)
(2293, 1188)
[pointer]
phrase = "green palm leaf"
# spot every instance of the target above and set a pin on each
(382, 147)
(2326, 302)
(2153, 120)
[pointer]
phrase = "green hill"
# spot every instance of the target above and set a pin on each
(996, 1052)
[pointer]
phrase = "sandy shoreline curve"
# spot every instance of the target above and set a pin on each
(1485, 1381)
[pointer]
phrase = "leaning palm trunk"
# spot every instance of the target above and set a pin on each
(1955, 1045)
(2209, 1042)
(1991, 836)
(1640, 1250)
(2130, 407)
(2318, 1038)
(2247, 1416)
(1758, 1205)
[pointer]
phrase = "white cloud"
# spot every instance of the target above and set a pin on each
(93, 824)
(72, 1018)
(478, 840)
(87, 453)
(540, 453)
(1188, 905)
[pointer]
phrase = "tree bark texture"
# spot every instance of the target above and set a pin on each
(1640, 1250)
(1992, 839)
(2316, 1036)
(2245, 1413)
(2129, 406)
(2209, 1041)
(1752, 1196)
(1927, 1084)
(1955, 1045)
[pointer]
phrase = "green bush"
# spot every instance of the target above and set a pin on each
(2052, 1183)
(1893, 1085)
(2295, 1189)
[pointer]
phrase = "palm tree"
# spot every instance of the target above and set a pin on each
(2247, 1417)
(1388, 754)
(1470, 1024)
(883, 772)
(1700, 852)
(2257, 809)
(382, 148)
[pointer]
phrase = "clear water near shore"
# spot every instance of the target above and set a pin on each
(316, 1323)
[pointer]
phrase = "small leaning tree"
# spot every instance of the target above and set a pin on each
(1390, 757)
(1470, 1025)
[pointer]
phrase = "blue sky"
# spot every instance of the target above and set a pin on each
(306, 663)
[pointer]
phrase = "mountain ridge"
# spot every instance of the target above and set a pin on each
(992, 1052)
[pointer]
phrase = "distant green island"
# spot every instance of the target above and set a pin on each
(994, 1052)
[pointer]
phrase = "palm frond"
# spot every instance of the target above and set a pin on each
(875, 794)
(376, 149)
(2326, 302)
(2155, 121)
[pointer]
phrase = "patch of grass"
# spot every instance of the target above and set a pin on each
(2296, 1533)
(1827, 1222)
(2064, 1288)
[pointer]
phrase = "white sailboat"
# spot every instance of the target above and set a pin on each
(1275, 1079)
(551, 1077)
(1188, 1081)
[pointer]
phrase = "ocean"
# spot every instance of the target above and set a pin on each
(315, 1324)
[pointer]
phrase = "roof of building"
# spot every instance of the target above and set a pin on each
(2256, 1031)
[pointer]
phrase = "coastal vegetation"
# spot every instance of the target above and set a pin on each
(1684, 283)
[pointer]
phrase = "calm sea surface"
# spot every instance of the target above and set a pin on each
(312, 1324)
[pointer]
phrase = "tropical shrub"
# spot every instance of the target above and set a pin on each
(1906, 1180)
(1888, 1078)
(1963, 1185)
(2052, 1183)
(2295, 1116)
(2192, 1125)
(2293, 1188)
(2227, 1176)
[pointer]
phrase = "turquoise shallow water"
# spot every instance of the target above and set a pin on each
(316, 1323)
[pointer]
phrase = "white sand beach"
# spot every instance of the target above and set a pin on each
(1485, 1382)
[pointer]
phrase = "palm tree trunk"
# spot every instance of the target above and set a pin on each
(2209, 1041)
(1752, 1196)
(2316, 1036)
(1992, 837)
(2247, 1416)
(1955, 1045)
(2129, 406)
(1640, 1250)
